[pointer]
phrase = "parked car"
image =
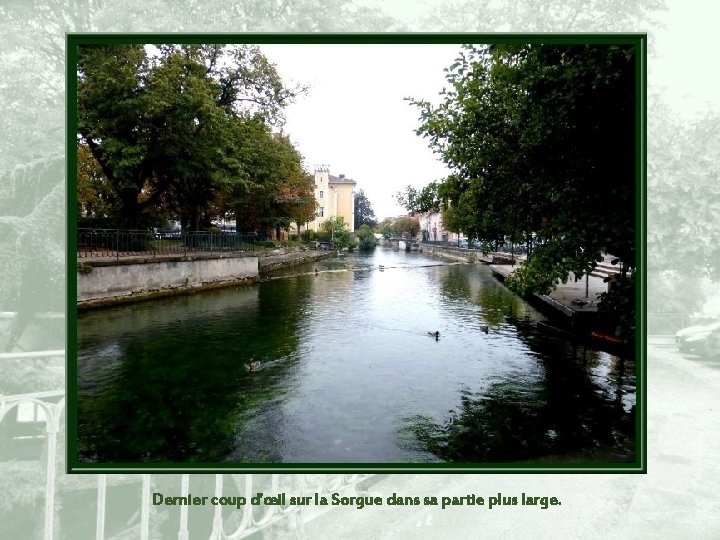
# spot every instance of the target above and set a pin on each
(702, 338)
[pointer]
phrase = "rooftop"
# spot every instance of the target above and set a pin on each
(340, 179)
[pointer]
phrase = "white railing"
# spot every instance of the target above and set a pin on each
(52, 405)
(233, 524)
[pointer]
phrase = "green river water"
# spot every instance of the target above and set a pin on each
(348, 373)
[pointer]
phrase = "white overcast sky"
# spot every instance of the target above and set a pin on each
(355, 119)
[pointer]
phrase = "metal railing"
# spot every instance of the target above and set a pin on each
(44, 411)
(507, 247)
(117, 243)
(41, 422)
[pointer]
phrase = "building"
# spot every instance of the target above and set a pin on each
(431, 229)
(335, 196)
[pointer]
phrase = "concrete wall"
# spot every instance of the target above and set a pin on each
(109, 281)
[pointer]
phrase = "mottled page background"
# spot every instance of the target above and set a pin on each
(676, 499)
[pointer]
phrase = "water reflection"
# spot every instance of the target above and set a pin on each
(570, 403)
(348, 373)
(172, 385)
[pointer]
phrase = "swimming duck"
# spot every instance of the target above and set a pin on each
(254, 366)
(484, 328)
(435, 334)
(316, 272)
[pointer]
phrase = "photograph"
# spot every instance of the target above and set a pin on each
(357, 253)
(364, 269)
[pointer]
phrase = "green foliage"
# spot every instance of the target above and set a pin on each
(405, 225)
(187, 133)
(366, 237)
(281, 192)
(385, 227)
(336, 231)
(618, 306)
(540, 139)
(95, 196)
(425, 200)
(309, 235)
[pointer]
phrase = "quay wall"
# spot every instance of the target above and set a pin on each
(276, 262)
(467, 255)
(109, 282)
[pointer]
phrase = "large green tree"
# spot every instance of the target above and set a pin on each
(280, 192)
(422, 200)
(541, 142)
(176, 126)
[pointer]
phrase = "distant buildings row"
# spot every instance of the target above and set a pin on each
(335, 196)
(431, 229)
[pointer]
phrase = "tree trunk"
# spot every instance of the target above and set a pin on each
(130, 211)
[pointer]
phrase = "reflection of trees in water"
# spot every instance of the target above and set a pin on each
(514, 421)
(183, 394)
(499, 303)
(455, 284)
(466, 284)
(564, 413)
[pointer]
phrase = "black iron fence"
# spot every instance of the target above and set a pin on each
(507, 247)
(116, 242)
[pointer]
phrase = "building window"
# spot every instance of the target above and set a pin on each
(321, 195)
(321, 211)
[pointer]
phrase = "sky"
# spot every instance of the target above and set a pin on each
(355, 118)
(356, 121)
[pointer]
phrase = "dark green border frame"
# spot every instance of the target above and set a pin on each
(639, 40)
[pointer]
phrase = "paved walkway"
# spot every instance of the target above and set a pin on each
(580, 296)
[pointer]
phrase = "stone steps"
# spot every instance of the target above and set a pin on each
(604, 270)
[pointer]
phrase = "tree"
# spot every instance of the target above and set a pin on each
(177, 128)
(281, 192)
(424, 200)
(95, 196)
(385, 227)
(540, 139)
(364, 214)
(406, 226)
(336, 230)
(366, 237)
(110, 105)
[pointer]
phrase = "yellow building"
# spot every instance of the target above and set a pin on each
(335, 196)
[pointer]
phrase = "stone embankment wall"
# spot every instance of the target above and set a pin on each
(113, 281)
(468, 255)
(277, 260)
(110, 281)
(452, 254)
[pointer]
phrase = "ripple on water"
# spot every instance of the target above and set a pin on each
(347, 364)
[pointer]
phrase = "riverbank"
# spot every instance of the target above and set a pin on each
(276, 260)
(573, 306)
(111, 281)
(468, 255)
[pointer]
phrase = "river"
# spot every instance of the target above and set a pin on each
(348, 373)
